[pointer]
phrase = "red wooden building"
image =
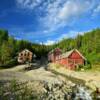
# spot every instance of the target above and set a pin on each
(69, 59)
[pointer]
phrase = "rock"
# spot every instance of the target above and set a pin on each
(64, 91)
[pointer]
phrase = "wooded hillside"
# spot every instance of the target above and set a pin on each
(9, 48)
(88, 44)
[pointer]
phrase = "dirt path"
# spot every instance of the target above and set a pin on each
(19, 73)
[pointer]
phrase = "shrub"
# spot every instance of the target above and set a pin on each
(88, 65)
(79, 67)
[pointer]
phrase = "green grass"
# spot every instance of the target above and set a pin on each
(95, 67)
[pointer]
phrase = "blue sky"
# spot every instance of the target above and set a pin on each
(48, 21)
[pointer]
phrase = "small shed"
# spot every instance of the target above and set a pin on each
(25, 56)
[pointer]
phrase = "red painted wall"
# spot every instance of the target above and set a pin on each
(75, 55)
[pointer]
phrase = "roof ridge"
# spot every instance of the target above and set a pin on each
(68, 53)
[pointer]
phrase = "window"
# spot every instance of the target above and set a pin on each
(25, 54)
(28, 54)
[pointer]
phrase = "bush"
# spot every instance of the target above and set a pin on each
(84, 67)
(79, 67)
(88, 65)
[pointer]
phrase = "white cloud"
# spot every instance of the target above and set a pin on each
(63, 36)
(70, 34)
(58, 13)
(49, 42)
(61, 12)
(96, 10)
(30, 4)
(73, 34)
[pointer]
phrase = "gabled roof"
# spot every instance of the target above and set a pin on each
(25, 50)
(67, 54)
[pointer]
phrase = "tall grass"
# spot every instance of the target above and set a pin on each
(17, 91)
